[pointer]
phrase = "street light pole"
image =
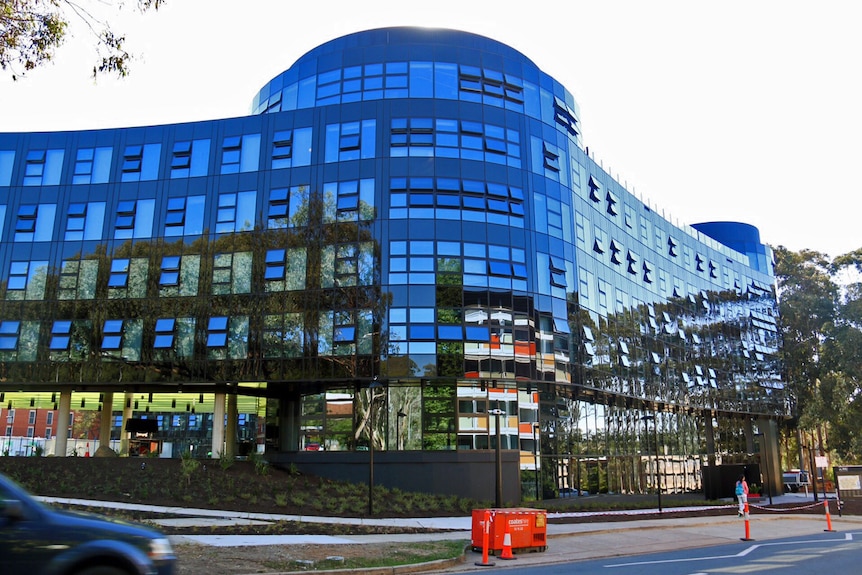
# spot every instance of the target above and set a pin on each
(373, 386)
(498, 496)
(813, 474)
(536, 459)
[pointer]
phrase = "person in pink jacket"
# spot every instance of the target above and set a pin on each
(741, 493)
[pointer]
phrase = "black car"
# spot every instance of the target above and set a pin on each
(37, 539)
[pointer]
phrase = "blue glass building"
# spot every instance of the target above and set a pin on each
(404, 235)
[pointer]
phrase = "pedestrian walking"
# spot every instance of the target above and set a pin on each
(741, 493)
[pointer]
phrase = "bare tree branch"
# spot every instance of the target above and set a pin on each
(31, 31)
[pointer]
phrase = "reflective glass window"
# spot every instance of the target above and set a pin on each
(7, 162)
(350, 141)
(217, 331)
(184, 216)
(60, 335)
(164, 333)
(240, 154)
(190, 158)
(92, 165)
(134, 219)
(285, 207)
(275, 264)
(43, 167)
(119, 276)
(9, 332)
(140, 162)
(170, 272)
(112, 338)
(235, 212)
(35, 223)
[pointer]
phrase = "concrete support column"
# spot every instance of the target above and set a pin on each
(289, 411)
(63, 410)
(748, 429)
(127, 415)
(105, 419)
(230, 427)
(218, 446)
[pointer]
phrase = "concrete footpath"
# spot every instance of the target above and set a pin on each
(572, 541)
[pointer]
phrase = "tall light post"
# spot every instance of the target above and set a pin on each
(654, 419)
(498, 494)
(812, 475)
(536, 458)
(371, 388)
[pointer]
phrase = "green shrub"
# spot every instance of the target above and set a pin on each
(261, 465)
(225, 462)
(188, 466)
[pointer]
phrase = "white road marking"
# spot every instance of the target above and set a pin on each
(743, 553)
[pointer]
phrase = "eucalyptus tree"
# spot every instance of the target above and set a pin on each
(821, 323)
(31, 32)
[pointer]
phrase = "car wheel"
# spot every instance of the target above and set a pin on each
(102, 570)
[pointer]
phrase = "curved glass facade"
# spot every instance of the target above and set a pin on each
(410, 207)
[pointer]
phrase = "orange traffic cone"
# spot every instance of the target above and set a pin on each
(87, 454)
(507, 545)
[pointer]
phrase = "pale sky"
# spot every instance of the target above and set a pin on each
(742, 110)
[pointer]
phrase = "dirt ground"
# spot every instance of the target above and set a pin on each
(204, 560)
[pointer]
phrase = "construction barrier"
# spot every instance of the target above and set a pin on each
(511, 530)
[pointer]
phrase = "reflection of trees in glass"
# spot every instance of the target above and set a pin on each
(274, 327)
(450, 359)
(77, 279)
(283, 335)
(439, 426)
(232, 273)
(365, 400)
(338, 422)
(230, 267)
(405, 416)
(85, 424)
(687, 350)
(312, 418)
